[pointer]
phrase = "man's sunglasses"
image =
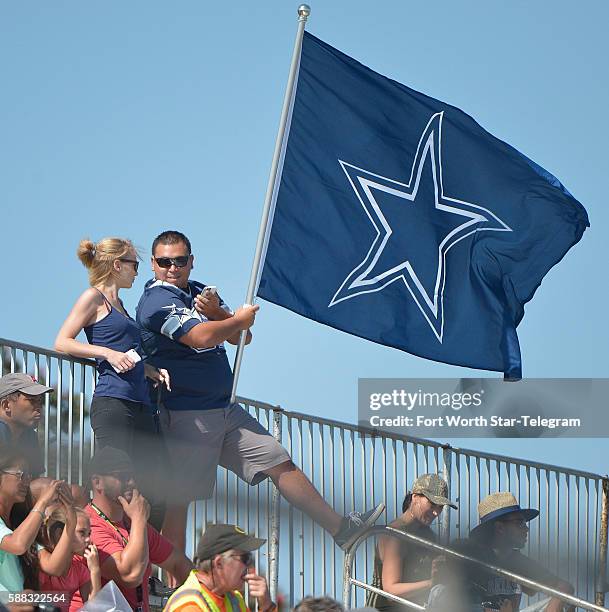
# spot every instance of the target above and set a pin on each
(167, 262)
(122, 476)
(247, 558)
(136, 264)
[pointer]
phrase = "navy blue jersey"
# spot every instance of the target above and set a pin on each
(200, 378)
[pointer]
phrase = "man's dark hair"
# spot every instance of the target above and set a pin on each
(171, 237)
(407, 501)
(318, 604)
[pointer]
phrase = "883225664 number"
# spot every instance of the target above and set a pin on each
(34, 597)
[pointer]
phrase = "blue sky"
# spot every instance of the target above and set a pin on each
(131, 118)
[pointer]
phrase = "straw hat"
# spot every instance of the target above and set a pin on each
(498, 505)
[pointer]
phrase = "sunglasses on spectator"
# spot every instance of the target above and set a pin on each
(167, 262)
(122, 476)
(136, 264)
(246, 558)
(518, 521)
(20, 474)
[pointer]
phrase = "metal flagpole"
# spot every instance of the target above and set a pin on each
(304, 10)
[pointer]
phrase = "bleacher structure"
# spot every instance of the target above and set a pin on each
(353, 470)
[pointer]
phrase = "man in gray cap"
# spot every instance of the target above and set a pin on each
(223, 564)
(21, 400)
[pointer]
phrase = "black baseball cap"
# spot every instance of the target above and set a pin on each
(109, 460)
(218, 538)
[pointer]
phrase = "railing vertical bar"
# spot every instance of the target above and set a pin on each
(587, 532)
(462, 513)
(557, 520)
(312, 473)
(322, 486)
(70, 419)
(568, 524)
(332, 503)
(352, 487)
(58, 405)
(302, 522)
(603, 538)
(597, 538)
(394, 474)
(364, 473)
(292, 555)
(273, 544)
(81, 424)
(577, 556)
(47, 415)
(446, 473)
(488, 476)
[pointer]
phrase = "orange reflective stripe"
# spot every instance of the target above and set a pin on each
(181, 597)
(235, 600)
(192, 591)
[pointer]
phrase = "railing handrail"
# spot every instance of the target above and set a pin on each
(347, 426)
(374, 433)
(22, 346)
(537, 586)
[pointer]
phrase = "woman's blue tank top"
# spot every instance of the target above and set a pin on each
(120, 333)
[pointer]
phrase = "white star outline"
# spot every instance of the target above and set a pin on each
(182, 314)
(358, 282)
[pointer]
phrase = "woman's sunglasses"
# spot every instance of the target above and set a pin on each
(136, 264)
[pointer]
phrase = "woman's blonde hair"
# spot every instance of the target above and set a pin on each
(99, 258)
(54, 525)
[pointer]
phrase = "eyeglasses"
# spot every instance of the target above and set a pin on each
(167, 262)
(20, 474)
(246, 558)
(136, 264)
(518, 521)
(122, 476)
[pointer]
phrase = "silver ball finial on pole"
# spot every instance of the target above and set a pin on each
(304, 10)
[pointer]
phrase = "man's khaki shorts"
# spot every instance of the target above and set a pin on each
(199, 440)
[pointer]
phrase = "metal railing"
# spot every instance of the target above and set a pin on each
(351, 471)
(448, 553)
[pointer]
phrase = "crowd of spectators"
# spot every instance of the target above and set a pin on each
(162, 404)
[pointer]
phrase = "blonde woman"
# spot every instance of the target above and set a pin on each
(121, 412)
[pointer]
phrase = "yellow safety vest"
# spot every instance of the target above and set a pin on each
(192, 591)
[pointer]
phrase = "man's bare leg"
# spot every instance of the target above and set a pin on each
(299, 491)
(174, 529)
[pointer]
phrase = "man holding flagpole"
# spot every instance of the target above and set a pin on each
(184, 325)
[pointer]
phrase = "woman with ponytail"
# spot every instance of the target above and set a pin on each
(121, 413)
(402, 567)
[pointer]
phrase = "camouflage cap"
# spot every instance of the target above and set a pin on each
(434, 488)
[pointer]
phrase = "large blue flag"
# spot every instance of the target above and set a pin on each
(399, 219)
